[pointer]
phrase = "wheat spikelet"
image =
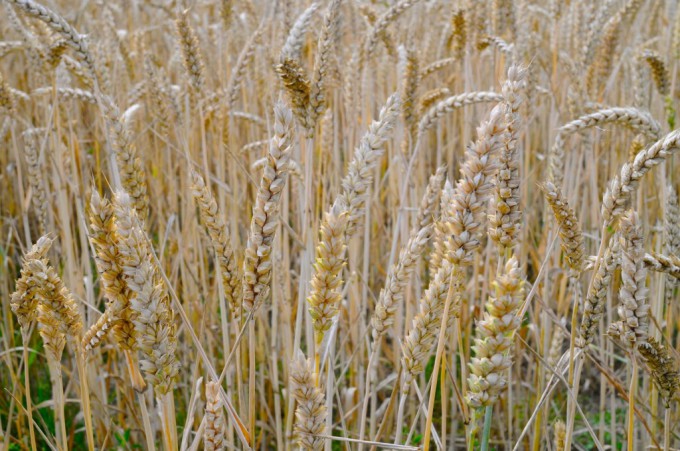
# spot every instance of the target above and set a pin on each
(556, 342)
(215, 424)
(217, 230)
(392, 296)
(430, 201)
(662, 366)
(360, 171)
(6, 47)
(24, 300)
(669, 264)
(431, 97)
(621, 188)
(193, 61)
(371, 17)
(310, 413)
(495, 331)
(632, 118)
(68, 94)
(325, 296)
(659, 71)
(297, 90)
(55, 51)
(409, 87)
(422, 335)
(452, 103)
(634, 306)
(594, 304)
(293, 45)
(7, 100)
(445, 217)
(54, 298)
(105, 239)
(505, 222)
(152, 315)
(329, 32)
(257, 264)
(238, 72)
(568, 225)
(459, 35)
(54, 338)
(436, 66)
(39, 198)
(129, 163)
(671, 236)
(59, 25)
(383, 22)
(463, 233)
(97, 332)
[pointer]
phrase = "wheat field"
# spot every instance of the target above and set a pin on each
(339, 225)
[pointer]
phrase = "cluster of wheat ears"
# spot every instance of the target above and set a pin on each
(341, 224)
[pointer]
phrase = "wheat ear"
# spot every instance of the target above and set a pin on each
(217, 230)
(310, 414)
(257, 264)
(366, 156)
